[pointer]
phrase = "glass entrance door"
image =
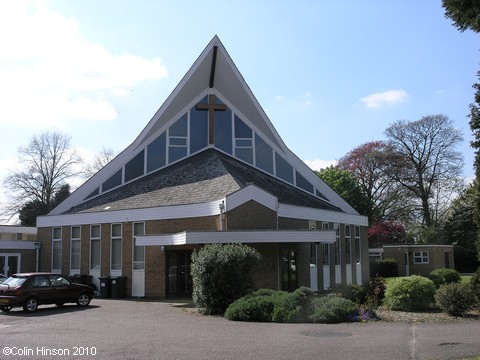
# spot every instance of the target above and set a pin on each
(178, 271)
(289, 270)
(9, 264)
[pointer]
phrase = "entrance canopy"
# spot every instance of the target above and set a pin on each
(244, 237)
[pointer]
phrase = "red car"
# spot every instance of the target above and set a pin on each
(32, 289)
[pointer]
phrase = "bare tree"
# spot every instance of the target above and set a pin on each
(101, 159)
(427, 162)
(46, 164)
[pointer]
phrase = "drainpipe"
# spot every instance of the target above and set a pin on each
(222, 215)
(37, 255)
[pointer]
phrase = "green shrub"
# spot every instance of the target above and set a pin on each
(332, 309)
(292, 307)
(386, 267)
(410, 293)
(375, 292)
(444, 276)
(251, 308)
(455, 298)
(221, 274)
(356, 293)
(475, 281)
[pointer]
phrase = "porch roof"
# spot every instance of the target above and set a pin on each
(244, 237)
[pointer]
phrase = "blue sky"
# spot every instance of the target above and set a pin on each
(331, 75)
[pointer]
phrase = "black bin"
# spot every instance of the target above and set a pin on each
(118, 286)
(105, 286)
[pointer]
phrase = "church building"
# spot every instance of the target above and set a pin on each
(208, 168)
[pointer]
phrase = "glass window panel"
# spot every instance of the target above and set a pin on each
(156, 153)
(348, 251)
(198, 129)
(95, 231)
(179, 128)
(56, 254)
(75, 232)
(93, 193)
(95, 255)
(303, 183)
(358, 250)
(243, 143)
(223, 130)
(263, 155)
(175, 141)
(326, 254)
(57, 233)
(116, 230)
(176, 153)
(138, 251)
(245, 155)
(116, 260)
(284, 170)
(75, 256)
(241, 129)
(115, 180)
(135, 167)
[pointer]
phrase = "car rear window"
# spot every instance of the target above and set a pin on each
(14, 281)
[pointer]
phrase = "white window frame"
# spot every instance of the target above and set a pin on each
(348, 244)
(56, 240)
(112, 240)
(358, 250)
(421, 257)
(72, 240)
(91, 247)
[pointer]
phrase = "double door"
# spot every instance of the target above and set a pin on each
(179, 281)
(9, 264)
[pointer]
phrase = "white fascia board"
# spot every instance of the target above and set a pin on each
(17, 245)
(243, 237)
(301, 212)
(417, 246)
(158, 213)
(251, 192)
(12, 229)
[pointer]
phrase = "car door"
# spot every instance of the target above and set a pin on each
(62, 289)
(40, 287)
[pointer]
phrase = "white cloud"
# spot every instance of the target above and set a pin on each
(50, 73)
(318, 164)
(384, 99)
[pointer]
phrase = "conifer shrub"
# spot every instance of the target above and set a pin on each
(221, 274)
(444, 276)
(251, 308)
(332, 309)
(356, 293)
(410, 293)
(455, 298)
(475, 281)
(292, 307)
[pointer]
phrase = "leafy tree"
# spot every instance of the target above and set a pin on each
(369, 163)
(464, 13)
(427, 164)
(347, 186)
(47, 162)
(385, 233)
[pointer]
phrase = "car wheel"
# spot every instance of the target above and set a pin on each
(30, 305)
(83, 300)
(5, 309)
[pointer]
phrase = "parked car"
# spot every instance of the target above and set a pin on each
(3, 278)
(29, 290)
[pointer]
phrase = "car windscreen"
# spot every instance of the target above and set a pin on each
(14, 281)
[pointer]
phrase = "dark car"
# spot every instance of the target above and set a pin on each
(32, 289)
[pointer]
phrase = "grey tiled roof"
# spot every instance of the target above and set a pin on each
(204, 177)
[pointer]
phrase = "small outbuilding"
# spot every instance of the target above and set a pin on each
(416, 259)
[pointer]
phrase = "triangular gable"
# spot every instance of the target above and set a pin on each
(168, 137)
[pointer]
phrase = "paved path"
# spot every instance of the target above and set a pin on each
(126, 329)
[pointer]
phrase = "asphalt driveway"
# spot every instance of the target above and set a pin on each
(128, 329)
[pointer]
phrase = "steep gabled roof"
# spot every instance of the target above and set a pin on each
(204, 177)
(212, 74)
